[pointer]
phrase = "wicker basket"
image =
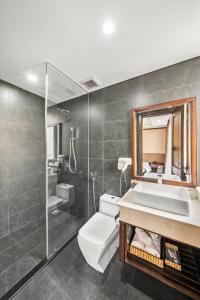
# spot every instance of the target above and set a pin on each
(145, 256)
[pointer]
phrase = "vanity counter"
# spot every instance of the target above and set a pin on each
(185, 229)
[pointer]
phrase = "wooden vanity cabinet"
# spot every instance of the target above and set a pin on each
(187, 282)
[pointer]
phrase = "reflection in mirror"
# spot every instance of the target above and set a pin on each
(54, 141)
(163, 141)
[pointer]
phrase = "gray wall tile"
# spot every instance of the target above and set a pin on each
(116, 149)
(96, 114)
(96, 149)
(117, 111)
(22, 178)
(175, 82)
(118, 130)
(96, 132)
(96, 165)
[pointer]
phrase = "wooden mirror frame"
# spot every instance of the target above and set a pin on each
(168, 104)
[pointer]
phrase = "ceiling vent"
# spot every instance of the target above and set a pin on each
(91, 83)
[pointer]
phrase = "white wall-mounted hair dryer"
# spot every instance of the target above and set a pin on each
(123, 163)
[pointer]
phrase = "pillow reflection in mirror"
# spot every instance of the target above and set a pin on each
(146, 167)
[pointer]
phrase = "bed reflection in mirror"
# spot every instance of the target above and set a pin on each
(163, 141)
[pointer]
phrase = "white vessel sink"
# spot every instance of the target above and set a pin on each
(164, 197)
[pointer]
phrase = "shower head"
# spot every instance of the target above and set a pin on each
(66, 112)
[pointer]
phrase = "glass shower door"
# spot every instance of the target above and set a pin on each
(67, 152)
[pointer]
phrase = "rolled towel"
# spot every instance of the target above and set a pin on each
(153, 249)
(137, 244)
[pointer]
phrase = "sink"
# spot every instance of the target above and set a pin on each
(165, 197)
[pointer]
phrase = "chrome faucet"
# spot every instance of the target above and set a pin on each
(159, 177)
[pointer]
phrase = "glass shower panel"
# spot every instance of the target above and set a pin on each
(22, 177)
(67, 128)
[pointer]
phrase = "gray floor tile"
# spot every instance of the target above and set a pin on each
(135, 294)
(68, 276)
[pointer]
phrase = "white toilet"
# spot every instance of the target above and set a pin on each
(98, 239)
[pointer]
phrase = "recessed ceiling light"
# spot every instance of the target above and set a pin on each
(108, 27)
(32, 77)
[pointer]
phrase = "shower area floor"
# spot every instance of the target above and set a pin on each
(20, 252)
(62, 226)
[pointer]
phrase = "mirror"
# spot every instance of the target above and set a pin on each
(54, 141)
(164, 142)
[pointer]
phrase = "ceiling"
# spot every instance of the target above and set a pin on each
(148, 35)
(156, 121)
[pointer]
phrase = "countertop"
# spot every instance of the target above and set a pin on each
(193, 219)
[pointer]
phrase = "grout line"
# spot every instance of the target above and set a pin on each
(88, 208)
(103, 137)
(148, 95)
(26, 209)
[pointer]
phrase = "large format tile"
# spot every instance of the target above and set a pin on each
(25, 200)
(22, 181)
(116, 149)
(112, 186)
(41, 288)
(110, 168)
(97, 97)
(69, 276)
(96, 166)
(153, 288)
(117, 111)
(33, 214)
(16, 272)
(116, 93)
(4, 227)
(96, 132)
(119, 130)
(96, 149)
(96, 114)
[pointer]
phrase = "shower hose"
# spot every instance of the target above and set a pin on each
(72, 156)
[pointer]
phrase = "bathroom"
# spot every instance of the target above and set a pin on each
(67, 145)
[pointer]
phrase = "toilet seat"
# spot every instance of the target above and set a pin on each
(98, 240)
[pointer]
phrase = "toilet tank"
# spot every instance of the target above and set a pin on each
(65, 191)
(108, 205)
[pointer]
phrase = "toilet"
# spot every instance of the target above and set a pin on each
(98, 239)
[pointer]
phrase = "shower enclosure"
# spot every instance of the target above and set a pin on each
(67, 152)
(43, 171)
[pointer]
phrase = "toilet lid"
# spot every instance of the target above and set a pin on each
(98, 229)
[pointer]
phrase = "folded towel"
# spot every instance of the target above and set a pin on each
(156, 238)
(153, 249)
(137, 244)
(142, 236)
